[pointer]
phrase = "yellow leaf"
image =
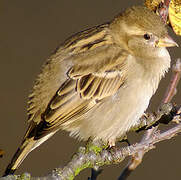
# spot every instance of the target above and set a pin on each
(175, 16)
(174, 12)
(152, 4)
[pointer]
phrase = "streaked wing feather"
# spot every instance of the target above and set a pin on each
(96, 73)
(73, 104)
(78, 94)
(91, 86)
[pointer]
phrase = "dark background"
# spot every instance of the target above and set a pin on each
(29, 32)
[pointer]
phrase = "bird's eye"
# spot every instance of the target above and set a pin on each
(147, 36)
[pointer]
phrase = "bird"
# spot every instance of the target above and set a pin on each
(98, 82)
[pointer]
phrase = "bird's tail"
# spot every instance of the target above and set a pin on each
(26, 147)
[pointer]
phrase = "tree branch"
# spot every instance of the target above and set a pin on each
(94, 155)
(163, 10)
(172, 88)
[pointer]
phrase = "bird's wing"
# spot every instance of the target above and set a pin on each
(85, 87)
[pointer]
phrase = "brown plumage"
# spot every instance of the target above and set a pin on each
(98, 82)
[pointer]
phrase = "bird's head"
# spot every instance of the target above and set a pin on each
(141, 31)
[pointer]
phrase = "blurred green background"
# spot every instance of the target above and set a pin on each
(29, 32)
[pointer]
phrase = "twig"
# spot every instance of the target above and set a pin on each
(95, 174)
(163, 10)
(171, 91)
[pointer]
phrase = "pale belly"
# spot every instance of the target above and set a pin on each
(112, 118)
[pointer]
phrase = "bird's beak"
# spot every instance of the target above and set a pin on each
(166, 42)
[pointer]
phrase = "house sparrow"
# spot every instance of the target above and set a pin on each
(99, 82)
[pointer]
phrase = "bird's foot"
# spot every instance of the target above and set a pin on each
(111, 143)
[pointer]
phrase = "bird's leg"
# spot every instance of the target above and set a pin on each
(111, 143)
